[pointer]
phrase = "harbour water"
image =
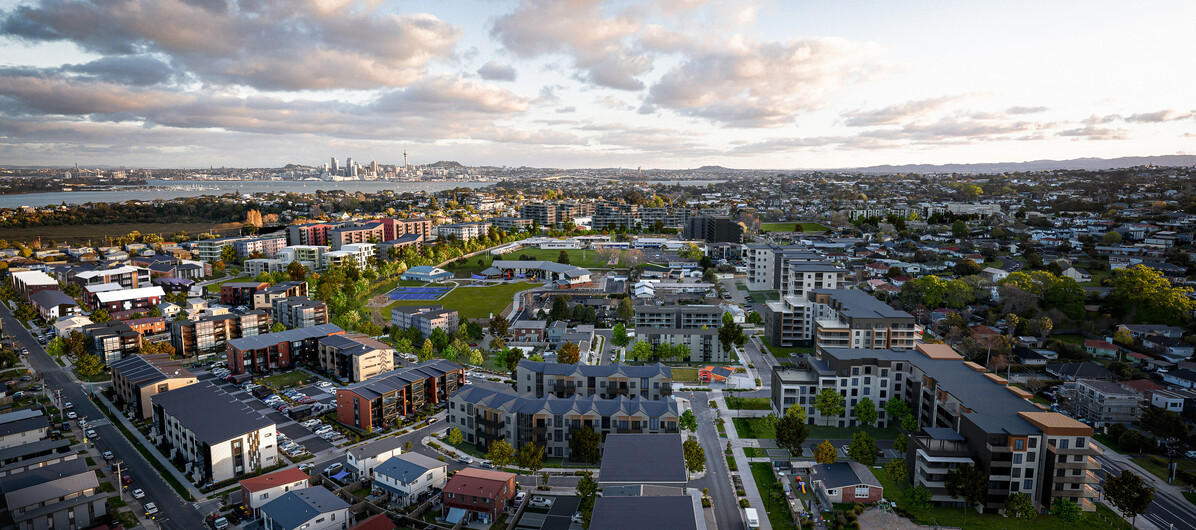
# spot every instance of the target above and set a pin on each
(169, 189)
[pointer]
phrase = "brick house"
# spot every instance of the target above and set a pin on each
(846, 482)
(477, 495)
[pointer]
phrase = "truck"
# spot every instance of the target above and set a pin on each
(753, 519)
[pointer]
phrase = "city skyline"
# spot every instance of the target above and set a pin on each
(671, 84)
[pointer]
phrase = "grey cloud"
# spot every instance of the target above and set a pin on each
(268, 44)
(896, 113)
(1160, 116)
(1025, 110)
(138, 70)
(495, 71)
(1091, 132)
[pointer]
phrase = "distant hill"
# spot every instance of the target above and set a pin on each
(447, 163)
(1037, 165)
(713, 169)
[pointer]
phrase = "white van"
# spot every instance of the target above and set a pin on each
(753, 519)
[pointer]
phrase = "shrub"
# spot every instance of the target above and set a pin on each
(705, 502)
(743, 503)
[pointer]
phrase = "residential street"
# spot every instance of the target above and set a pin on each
(727, 513)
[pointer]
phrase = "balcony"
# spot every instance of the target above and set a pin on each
(1087, 477)
(1088, 463)
(489, 424)
(1089, 449)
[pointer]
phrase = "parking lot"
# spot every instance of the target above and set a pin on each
(290, 429)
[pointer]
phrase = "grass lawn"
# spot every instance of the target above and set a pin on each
(581, 257)
(1070, 338)
(1109, 442)
(783, 351)
(1191, 496)
(755, 452)
(772, 495)
(287, 380)
(747, 403)
(788, 227)
(1103, 518)
(471, 302)
(215, 287)
(685, 374)
(820, 432)
(1160, 470)
(754, 428)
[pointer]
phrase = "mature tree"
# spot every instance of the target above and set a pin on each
(791, 434)
(862, 448)
(829, 403)
(770, 421)
(865, 412)
(695, 456)
(563, 257)
(730, 333)
(896, 409)
(959, 229)
(427, 351)
(497, 343)
(825, 453)
(500, 452)
(641, 351)
(499, 326)
(1066, 509)
(530, 457)
(688, 422)
(1123, 337)
(896, 469)
(1111, 238)
(755, 318)
(625, 310)
(901, 444)
(88, 365)
(968, 483)
(1164, 423)
(1021, 507)
(587, 489)
(277, 326)
(796, 411)
(568, 353)
(296, 271)
(1148, 295)
(916, 499)
(967, 267)
(560, 308)
(25, 312)
(511, 357)
(1128, 493)
(618, 335)
(228, 254)
(475, 357)
(439, 338)
(454, 436)
(100, 315)
(583, 445)
(1045, 326)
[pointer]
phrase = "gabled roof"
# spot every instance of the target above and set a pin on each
(143, 370)
(300, 506)
(478, 482)
(275, 479)
(643, 458)
(395, 379)
(843, 475)
(590, 370)
(51, 297)
(290, 335)
(407, 466)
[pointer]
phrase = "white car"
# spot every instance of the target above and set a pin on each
(150, 509)
(108, 455)
(333, 468)
(68, 405)
(137, 493)
(541, 502)
(91, 433)
(71, 415)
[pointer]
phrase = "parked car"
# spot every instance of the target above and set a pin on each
(150, 509)
(68, 405)
(137, 493)
(332, 469)
(126, 480)
(71, 415)
(519, 497)
(91, 434)
(541, 502)
(108, 455)
(465, 460)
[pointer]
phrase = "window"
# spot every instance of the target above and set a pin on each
(1063, 443)
(1017, 458)
(855, 381)
(861, 491)
(1079, 442)
(1019, 445)
(263, 496)
(1029, 484)
(1033, 443)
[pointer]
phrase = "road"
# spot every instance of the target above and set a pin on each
(1168, 511)
(723, 499)
(175, 513)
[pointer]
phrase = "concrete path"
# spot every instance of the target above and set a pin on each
(742, 462)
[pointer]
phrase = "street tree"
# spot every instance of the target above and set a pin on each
(587, 490)
(791, 434)
(1066, 509)
(1128, 493)
(426, 352)
(695, 456)
(688, 422)
(618, 335)
(969, 484)
(829, 403)
(641, 351)
(825, 453)
(865, 412)
(454, 436)
(500, 453)
(88, 365)
(476, 358)
(755, 318)
(499, 326)
(583, 444)
(796, 411)
(625, 311)
(1021, 507)
(862, 448)
(530, 457)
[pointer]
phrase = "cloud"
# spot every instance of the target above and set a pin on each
(136, 70)
(1025, 110)
(744, 83)
(265, 44)
(893, 114)
(495, 71)
(600, 45)
(1092, 132)
(1160, 116)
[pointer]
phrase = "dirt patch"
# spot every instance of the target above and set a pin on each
(877, 519)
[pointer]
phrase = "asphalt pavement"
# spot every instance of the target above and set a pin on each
(1167, 512)
(727, 513)
(175, 513)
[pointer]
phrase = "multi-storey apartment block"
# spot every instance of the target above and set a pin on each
(1106, 402)
(485, 415)
(274, 351)
(137, 378)
(370, 232)
(542, 379)
(354, 357)
(300, 312)
(112, 340)
(209, 249)
(381, 400)
(425, 318)
(128, 277)
(765, 263)
(615, 215)
(210, 334)
(837, 318)
(964, 415)
(219, 436)
(264, 298)
(463, 231)
(267, 246)
(695, 326)
(238, 293)
(713, 229)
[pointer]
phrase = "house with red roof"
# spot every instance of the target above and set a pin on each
(1100, 348)
(477, 495)
(260, 490)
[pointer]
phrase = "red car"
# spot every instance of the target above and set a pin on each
(126, 480)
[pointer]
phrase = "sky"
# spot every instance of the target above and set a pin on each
(670, 84)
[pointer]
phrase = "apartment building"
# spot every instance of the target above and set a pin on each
(667, 217)
(141, 299)
(396, 228)
(463, 231)
(695, 326)
(714, 229)
(210, 334)
(611, 381)
(486, 414)
(369, 232)
(137, 378)
(425, 318)
(354, 357)
(554, 214)
(209, 249)
(112, 340)
(799, 276)
(355, 253)
(275, 351)
(300, 312)
(127, 277)
(1105, 402)
(266, 246)
(264, 298)
(218, 436)
(964, 416)
(414, 241)
(61, 495)
(765, 263)
(240, 293)
(27, 283)
(615, 216)
(837, 318)
(315, 234)
(511, 224)
(387, 397)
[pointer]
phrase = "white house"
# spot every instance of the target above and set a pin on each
(410, 477)
(312, 508)
(259, 491)
(364, 458)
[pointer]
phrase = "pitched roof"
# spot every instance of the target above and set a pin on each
(590, 370)
(413, 465)
(213, 415)
(290, 335)
(651, 458)
(617, 513)
(300, 506)
(393, 380)
(51, 297)
(275, 479)
(843, 475)
(478, 482)
(149, 369)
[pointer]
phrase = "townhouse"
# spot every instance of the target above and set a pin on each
(390, 396)
(484, 415)
(583, 380)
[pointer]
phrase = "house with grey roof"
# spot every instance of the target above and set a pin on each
(643, 459)
(52, 304)
(24, 430)
(62, 495)
(365, 457)
(486, 414)
(653, 381)
(218, 436)
(845, 482)
(410, 477)
(675, 512)
(312, 508)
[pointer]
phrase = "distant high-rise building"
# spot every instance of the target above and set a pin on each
(335, 167)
